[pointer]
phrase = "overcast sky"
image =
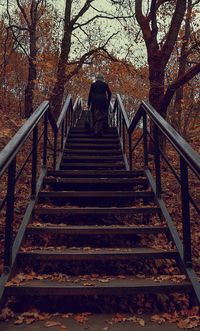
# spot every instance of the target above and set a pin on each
(120, 43)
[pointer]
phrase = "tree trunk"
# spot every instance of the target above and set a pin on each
(182, 69)
(156, 92)
(32, 74)
(58, 90)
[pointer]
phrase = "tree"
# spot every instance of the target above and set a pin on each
(77, 26)
(185, 55)
(160, 50)
(31, 14)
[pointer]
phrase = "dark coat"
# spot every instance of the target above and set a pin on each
(99, 96)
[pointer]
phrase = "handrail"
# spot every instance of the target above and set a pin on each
(119, 100)
(37, 123)
(63, 112)
(188, 158)
(11, 149)
(180, 144)
(183, 148)
(137, 117)
(68, 104)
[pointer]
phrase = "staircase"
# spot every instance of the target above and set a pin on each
(96, 235)
(95, 231)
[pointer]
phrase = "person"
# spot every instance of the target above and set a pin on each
(98, 102)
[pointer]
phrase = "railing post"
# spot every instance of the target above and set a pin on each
(120, 124)
(45, 139)
(145, 141)
(62, 135)
(55, 149)
(115, 115)
(66, 124)
(130, 150)
(71, 114)
(9, 216)
(123, 136)
(157, 159)
(34, 162)
(187, 255)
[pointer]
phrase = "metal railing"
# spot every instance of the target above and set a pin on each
(37, 133)
(145, 118)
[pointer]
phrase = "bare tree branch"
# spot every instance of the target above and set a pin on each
(83, 10)
(178, 83)
(171, 38)
(13, 33)
(23, 13)
(143, 22)
(154, 19)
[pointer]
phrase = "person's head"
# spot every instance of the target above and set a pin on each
(100, 77)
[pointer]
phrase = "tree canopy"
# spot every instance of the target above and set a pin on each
(48, 48)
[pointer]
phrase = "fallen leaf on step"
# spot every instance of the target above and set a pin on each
(88, 284)
(50, 324)
(63, 327)
(67, 315)
(29, 321)
(6, 314)
(141, 322)
(19, 321)
(82, 318)
(157, 319)
(187, 324)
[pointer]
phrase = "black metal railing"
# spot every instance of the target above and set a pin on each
(153, 128)
(38, 135)
(68, 118)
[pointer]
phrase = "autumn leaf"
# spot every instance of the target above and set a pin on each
(29, 321)
(157, 319)
(6, 314)
(187, 324)
(118, 318)
(88, 284)
(64, 327)
(141, 321)
(50, 324)
(19, 321)
(82, 318)
(67, 315)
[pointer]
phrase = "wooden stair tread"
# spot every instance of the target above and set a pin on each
(82, 130)
(93, 157)
(102, 146)
(99, 140)
(96, 229)
(99, 322)
(95, 173)
(97, 194)
(90, 135)
(131, 181)
(90, 151)
(107, 254)
(114, 286)
(97, 210)
(91, 165)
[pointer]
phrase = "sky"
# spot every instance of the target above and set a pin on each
(119, 44)
(112, 26)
